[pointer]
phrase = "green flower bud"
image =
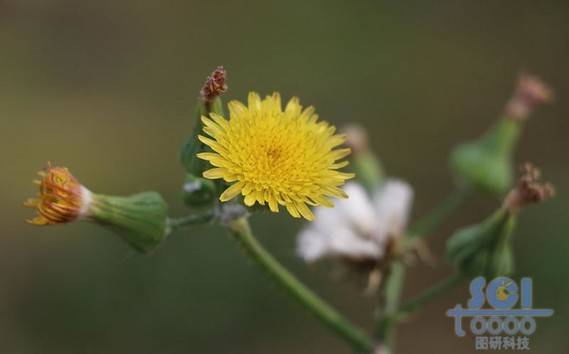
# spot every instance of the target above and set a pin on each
(368, 170)
(140, 219)
(193, 146)
(198, 192)
(486, 248)
(210, 101)
(487, 163)
(364, 163)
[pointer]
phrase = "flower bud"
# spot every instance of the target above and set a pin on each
(365, 164)
(529, 190)
(486, 248)
(198, 192)
(139, 219)
(530, 93)
(487, 163)
(215, 85)
(209, 102)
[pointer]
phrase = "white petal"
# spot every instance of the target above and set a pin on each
(393, 203)
(349, 243)
(358, 208)
(312, 245)
(336, 240)
(347, 230)
(326, 218)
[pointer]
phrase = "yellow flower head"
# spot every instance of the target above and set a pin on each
(61, 197)
(275, 156)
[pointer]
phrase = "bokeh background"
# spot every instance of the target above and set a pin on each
(107, 88)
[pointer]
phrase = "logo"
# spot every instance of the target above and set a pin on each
(495, 321)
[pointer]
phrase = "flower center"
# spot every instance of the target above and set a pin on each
(274, 153)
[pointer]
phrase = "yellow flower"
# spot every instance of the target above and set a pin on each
(275, 157)
(61, 197)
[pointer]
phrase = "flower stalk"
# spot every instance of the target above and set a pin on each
(176, 224)
(414, 304)
(241, 232)
(424, 226)
(389, 305)
(387, 314)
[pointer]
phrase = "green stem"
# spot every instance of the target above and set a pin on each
(439, 288)
(387, 321)
(385, 328)
(425, 226)
(189, 220)
(241, 232)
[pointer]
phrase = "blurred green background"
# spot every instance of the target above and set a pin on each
(107, 88)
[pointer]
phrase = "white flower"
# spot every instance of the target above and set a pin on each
(359, 227)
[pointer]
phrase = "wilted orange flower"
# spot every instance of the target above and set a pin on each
(61, 198)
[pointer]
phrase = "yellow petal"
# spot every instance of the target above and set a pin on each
(261, 197)
(248, 188)
(208, 155)
(254, 101)
(321, 200)
(307, 113)
(276, 105)
(335, 192)
(222, 122)
(215, 173)
(212, 128)
(215, 159)
(339, 165)
(236, 108)
(336, 140)
(304, 211)
(38, 220)
(340, 153)
(213, 144)
(293, 107)
(250, 198)
(31, 202)
(292, 211)
(273, 205)
(231, 192)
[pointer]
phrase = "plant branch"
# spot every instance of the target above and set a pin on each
(241, 232)
(413, 304)
(425, 226)
(388, 319)
(190, 220)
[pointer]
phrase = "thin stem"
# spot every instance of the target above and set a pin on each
(439, 288)
(189, 220)
(385, 329)
(386, 323)
(241, 232)
(425, 226)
